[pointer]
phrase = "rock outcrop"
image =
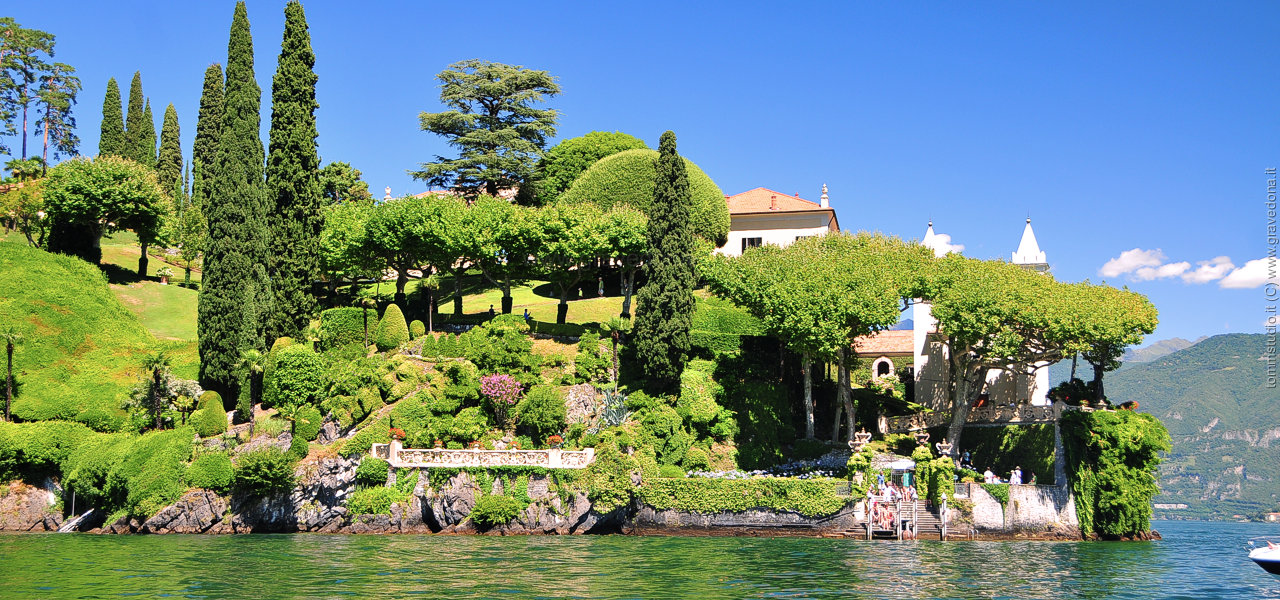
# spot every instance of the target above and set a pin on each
(29, 508)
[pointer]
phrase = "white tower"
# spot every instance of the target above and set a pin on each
(1029, 253)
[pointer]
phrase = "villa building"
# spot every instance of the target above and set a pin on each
(764, 216)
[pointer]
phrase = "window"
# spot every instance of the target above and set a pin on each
(801, 237)
(751, 243)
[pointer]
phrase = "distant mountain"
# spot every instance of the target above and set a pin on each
(1158, 349)
(1224, 421)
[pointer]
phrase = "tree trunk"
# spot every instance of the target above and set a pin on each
(1098, 394)
(1059, 457)
(836, 418)
(628, 287)
(507, 301)
(431, 309)
(457, 294)
(1074, 357)
(365, 310)
(8, 381)
(964, 392)
(25, 87)
(615, 358)
(846, 399)
(805, 364)
(44, 168)
(402, 279)
(142, 260)
(155, 397)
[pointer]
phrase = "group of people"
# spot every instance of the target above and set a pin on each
(1015, 477)
(884, 494)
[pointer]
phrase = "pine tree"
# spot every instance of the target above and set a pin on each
(169, 165)
(208, 124)
(293, 187)
(148, 156)
(111, 141)
(133, 128)
(235, 211)
(664, 315)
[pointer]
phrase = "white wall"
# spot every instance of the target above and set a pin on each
(779, 229)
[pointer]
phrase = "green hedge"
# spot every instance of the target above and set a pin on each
(211, 471)
(494, 510)
(1112, 460)
(342, 326)
(263, 471)
(392, 331)
(372, 472)
(375, 500)
(209, 419)
(809, 497)
(297, 377)
(629, 177)
(306, 424)
(417, 329)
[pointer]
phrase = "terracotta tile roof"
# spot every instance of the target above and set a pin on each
(761, 199)
(885, 343)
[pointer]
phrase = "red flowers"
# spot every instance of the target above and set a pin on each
(397, 433)
(555, 440)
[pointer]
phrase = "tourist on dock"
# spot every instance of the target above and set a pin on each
(988, 476)
(1033, 479)
(1015, 476)
(880, 480)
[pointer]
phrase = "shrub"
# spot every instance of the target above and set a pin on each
(341, 326)
(589, 364)
(429, 346)
(210, 419)
(447, 346)
(499, 346)
(629, 178)
(297, 378)
(392, 331)
(696, 459)
(298, 448)
(306, 424)
(809, 497)
(417, 329)
(541, 412)
(375, 500)
(494, 510)
(372, 472)
(263, 471)
(211, 471)
(671, 471)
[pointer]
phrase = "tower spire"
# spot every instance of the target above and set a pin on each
(1029, 252)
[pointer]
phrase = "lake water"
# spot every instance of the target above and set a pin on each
(1195, 560)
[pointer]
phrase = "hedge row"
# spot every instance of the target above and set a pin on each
(809, 497)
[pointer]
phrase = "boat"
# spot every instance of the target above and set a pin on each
(1266, 553)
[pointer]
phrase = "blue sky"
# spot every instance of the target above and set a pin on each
(1139, 127)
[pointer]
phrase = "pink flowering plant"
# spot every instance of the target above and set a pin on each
(502, 391)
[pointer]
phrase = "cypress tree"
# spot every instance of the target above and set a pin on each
(235, 211)
(664, 315)
(133, 129)
(169, 165)
(148, 156)
(111, 142)
(293, 187)
(208, 124)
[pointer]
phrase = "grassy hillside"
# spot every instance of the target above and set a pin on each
(1225, 422)
(82, 347)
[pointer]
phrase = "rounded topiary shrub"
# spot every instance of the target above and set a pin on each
(210, 418)
(494, 510)
(417, 329)
(628, 178)
(306, 424)
(372, 472)
(296, 377)
(263, 471)
(542, 412)
(392, 331)
(342, 326)
(211, 472)
(298, 448)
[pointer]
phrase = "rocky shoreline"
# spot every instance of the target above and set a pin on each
(316, 505)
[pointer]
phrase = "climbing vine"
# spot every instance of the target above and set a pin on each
(1112, 460)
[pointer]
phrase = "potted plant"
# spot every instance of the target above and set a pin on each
(165, 273)
(555, 441)
(397, 434)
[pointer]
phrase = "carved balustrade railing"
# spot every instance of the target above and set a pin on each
(401, 457)
(1025, 414)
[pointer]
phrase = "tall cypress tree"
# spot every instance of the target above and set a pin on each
(133, 119)
(293, 187)
(208, 124)
(148, 156)
(664, 315)
(169, 165)
(111, 141)
(236, 214)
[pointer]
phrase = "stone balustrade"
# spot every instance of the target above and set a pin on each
(1024, 414)
(401, 457)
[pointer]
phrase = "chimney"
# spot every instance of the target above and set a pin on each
(825, 202)
(773, 202)
(388, 192)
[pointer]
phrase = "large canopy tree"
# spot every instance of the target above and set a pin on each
(571, 240)
(494, 124)
(111, 137)
(340, 182)
(850, 286)
(565, 161)
(345, 253)
(57, 94)
(504, 238)
(208, 129)
(87, 198)
(22, 66)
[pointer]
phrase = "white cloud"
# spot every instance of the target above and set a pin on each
(941, 244)
(1253, 274)
(1209, 270)
(1132, 260)
(1161, 272)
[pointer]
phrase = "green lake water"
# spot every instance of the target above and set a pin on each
(1195, 560)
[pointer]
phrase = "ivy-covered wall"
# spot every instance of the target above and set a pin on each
(1112, 460)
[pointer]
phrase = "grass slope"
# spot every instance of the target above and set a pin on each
(82, 347)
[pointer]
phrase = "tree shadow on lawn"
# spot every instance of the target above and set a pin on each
(119, 275)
